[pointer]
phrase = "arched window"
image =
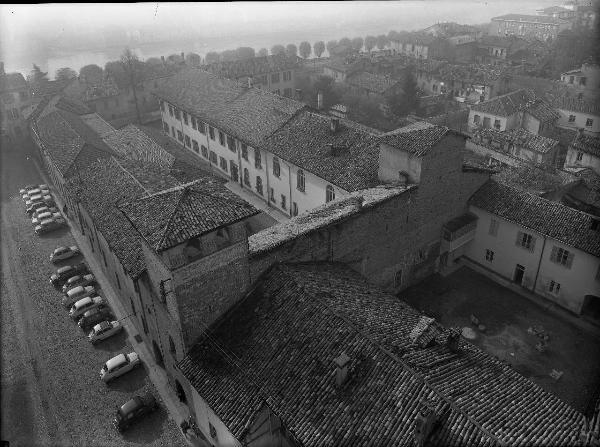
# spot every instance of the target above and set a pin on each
(300, 180)
(329, 193)
(259, 185)
(246, 177)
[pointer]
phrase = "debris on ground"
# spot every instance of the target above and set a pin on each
(556, 374)
(474, 320)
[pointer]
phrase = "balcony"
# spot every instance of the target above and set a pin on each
(458, 232)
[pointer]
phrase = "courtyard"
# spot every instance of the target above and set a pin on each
(514, 327)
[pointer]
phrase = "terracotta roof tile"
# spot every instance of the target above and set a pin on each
(417, 138)
(371, 82)
(252, 66)
(518, 137)
(587, 143)
(506, 105)
(531, 18)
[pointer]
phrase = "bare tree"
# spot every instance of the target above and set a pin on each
(263, 52)
(277, 49)
(245, 53)
(357, 43)
(331, 47)
(212, 57)
(131, 65)
(65, 73)
(291, 50)
(382, 41)
(304, 49)
(319, 48)
(370, 42)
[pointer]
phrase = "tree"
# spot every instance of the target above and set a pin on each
(133, 69)
(345, 42)
(91, 74)
(319, 48)
(263, 52)
(304, 49)
(331, 46)
(404, 100)
(175, 59)
(370, 42)
(393, 35)
(291, 50)
(382, 41)
(228, 55)
(245, 53)
(65, 73)
(153, 61)
(277, 49)
(37, 78)
(357, 43)
(193, 59)
(326, 85)
(212, 57)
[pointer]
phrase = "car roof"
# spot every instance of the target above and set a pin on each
(82, 302)
(75, 290)
(103, 325)
(64, 269)
(61, 248)
(46, 221)
(73, 279)
(116, 360)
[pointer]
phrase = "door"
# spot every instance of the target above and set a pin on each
(234, 171)
(519, 272)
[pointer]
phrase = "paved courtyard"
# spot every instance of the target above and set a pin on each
(507, 317)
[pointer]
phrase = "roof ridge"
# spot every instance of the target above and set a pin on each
(184, 192)
(130, 174)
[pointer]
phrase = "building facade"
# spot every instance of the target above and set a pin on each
(585, 80)
(578, 114)
(528, 26)
(15, 94)
(584, 152)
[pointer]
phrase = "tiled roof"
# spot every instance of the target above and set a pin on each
(50, 88)
(249, 114)
(543, 111)
(303, 141)
(551, 219)
(97, 124)
(586, 143)
(519, 137)
(417, 138)
(555, 9)
(418, 38)
(549, 20)
(12, 81)
(371, 82)
(506, 105)
(252, 66)
(573, 104)
(277, 348)
(173, 216)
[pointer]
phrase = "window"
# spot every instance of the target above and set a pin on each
(201, 127)
(172, 349)
(211, 132)
(582, 80)
(553, 287)
(195, 146)
(294, 209)
(213, 157)
(213, 430)
(571, 118)
(247, 177)
(274, 78)
(571, 79)
(259, 186)
(300, 180)
(223, 164)
(118, 282)
(231, 144)
(204, 150)
(162, 106)
(180, 136)
(132, 306)
(104, 257)
(497, 124)
(277, 92)
(489, 255)
(178, 114)
(271, 194)
(287, 92)
(145, 324)
(329, 193)
(166, 128)
(562, 256)
(171, 110)
(283, 201)
(185, 118)
(244, 151)
(187, 141)
(476, 119)
(257, 159)
(525, 240)
(276, 167)
(221, 138)
(194, 126)
(579, 156)
(493, 227)
(589, 122)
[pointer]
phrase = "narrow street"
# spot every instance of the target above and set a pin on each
(51, 390)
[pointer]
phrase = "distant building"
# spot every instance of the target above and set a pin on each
(528, 26)
(420, 45)
(578, 114)
(502, 50)
(558, 12)
(15, 94)
(585, 80)
(340, 69)
(276, 73)
(584, 152)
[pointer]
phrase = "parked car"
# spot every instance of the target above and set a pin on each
(40, 208)
(79, 280)
(85, 304)
(104, 330)
(34, 192)
(37, 220)
(36, 206)
(119, 365)
(47, 199)
(133, 410)
(48, 225)
(27, 188)
(64, 273)
(75, 294)
(94, 316)
(61, 253)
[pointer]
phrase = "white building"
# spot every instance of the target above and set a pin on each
(584, 152)
(524, 241)
(578, 114)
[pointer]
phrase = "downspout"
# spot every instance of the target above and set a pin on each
(267, 173)
(539, 266)
(290, 182)
(239, 154)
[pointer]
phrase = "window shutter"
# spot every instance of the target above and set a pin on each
(519, 238)
(553, 253)
(570, 260)
(532, 245)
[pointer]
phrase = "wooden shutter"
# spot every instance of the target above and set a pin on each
(553, 253)
(570, 260)
(519, 238)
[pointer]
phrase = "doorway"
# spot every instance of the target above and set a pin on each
(591, 307)
(180, 392)
(519, 272)
(234, 171)
(157, 354)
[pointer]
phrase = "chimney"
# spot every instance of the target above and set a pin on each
(334, 124)
(320, 101)
(453, 339)
(341, 370)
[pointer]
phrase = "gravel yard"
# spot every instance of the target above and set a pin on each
(51, 388)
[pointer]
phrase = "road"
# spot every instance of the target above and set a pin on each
(51, 390)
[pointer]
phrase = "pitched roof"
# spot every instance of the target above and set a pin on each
(249, 114)
(252, 66)
(417, 138)
(371, 82)
(507, 104)
(549, 20)
(12, 81)
(416, 37)
(586, 143)
(573, 104)
(176, 215)
(543, 111)
(519, 137)
(277, 348)
(50, 88)
(569, 226)
(352, 163)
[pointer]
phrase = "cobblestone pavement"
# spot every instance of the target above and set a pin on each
(51, 390)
